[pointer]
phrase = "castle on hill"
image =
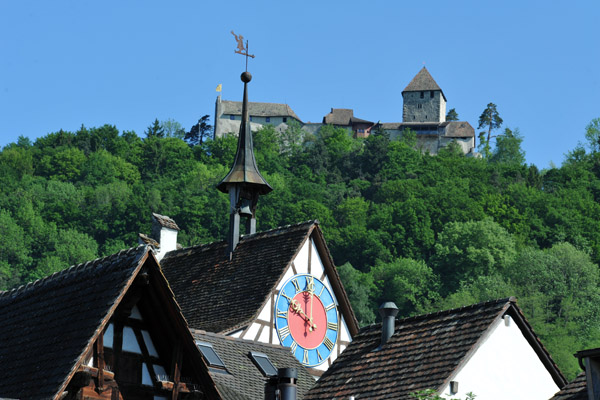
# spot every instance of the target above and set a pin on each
(424, 112)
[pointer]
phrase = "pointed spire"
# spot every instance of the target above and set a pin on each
(423, 81)
(244, 183)
(244, 170)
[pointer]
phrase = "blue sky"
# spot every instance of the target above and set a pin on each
(68, 63)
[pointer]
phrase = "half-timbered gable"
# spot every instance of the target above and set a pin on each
(237, 296)
(106, 329)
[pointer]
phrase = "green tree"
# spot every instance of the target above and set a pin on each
(466, 250)
(508, 148)
(452, 115)
(155, 130)
(490, 119)
(199, 132)
(592, 135)
(360, 287)
(173, 128)
(409, 283)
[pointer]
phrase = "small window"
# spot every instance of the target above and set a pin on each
(263, 363)
(251, 118)
(268, 119)
(419, 105)
(284, 119)
(231, 117)
(210, 355)
(431, 94)
(422, 94)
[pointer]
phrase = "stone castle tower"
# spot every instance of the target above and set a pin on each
(424, 100)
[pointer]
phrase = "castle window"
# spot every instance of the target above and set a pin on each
(231, 117)
(422, 94)
(251, 118)
(268, 119)
(419, 105)
(284, 119)
(431, 94)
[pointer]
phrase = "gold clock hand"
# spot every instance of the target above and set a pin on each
(297, 308)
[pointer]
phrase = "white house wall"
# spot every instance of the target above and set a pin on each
(504, 367)
(262, 329)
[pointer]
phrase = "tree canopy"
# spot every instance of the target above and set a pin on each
(426, 232)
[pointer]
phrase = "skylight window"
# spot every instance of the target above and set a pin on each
(263, 363)
(210, 355)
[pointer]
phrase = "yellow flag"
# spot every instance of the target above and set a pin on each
(219, 87)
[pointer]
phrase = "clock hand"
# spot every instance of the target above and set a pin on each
(298, 310)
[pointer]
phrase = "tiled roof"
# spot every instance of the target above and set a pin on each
(45, 326)
(458, 129)
(165, 221)
(422, 354)
(219, 295)
(342, 116)
(258, 109)
(422, 81)
(244, 380)
(576, 390)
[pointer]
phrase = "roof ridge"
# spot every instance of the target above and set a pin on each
(67, 271)
(511, 299)
(247, 236)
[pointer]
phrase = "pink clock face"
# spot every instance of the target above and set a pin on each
(307, 320)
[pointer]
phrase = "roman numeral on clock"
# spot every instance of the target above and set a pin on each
(319, 356)
(296, 285)
(286, 296)
(282, 314)
(293, 347)
(305, 357)
(332, 326)
(284, 332)
(328, 343)
(330, 307)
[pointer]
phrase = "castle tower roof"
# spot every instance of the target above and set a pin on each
(423, 81)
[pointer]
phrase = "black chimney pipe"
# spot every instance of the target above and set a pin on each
(388, 311)
(283, 386)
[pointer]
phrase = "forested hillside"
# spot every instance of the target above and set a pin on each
(427, 232)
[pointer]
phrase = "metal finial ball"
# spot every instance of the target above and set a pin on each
(246, 77)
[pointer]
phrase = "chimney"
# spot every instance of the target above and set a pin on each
(283, 386)
(589, 361)
(388, 311)
(164, 231)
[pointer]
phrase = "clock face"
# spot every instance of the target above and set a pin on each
(306, 319)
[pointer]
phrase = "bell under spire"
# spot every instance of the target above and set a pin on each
(244, 183)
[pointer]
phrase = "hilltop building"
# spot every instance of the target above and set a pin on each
(424, 112)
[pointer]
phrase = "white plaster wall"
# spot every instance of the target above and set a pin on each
(504, 367)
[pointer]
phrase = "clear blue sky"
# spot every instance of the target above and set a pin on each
(68, 63)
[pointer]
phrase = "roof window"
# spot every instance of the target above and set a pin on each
(263, 363)
(210, 355)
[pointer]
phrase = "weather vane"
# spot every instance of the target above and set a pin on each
(241, 49)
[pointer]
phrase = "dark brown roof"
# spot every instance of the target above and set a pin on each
(221, 295)
(424, 352)
(575, 390)
(259, 109)
(46, 326)
(165, 221)
(343, 116)
(422, 81)
(218, 295)
(244, 380)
